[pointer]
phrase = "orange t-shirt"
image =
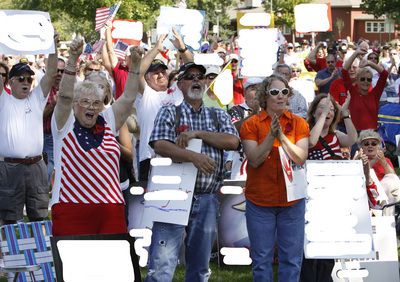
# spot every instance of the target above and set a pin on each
(265, 185)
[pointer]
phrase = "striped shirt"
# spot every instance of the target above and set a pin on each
(87, 167)
(190, 120)
(318, 152)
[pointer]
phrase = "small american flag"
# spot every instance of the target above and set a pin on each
(120, 49)
(104, 14)
(88, 49)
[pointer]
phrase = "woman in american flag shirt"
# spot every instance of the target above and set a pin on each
(87, 197)
(325, 143)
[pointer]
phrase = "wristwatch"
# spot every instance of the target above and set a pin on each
(182, 50)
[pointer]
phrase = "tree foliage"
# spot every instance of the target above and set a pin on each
(378, 8)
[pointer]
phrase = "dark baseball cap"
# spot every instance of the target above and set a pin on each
(155, 64)
(19, 69)
(184, 69)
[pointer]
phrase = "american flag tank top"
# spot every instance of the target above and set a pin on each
(90, 175)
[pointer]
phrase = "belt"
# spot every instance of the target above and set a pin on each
(27, 161)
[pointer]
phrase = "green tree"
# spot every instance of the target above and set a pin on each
(379, 8)
(284, 12)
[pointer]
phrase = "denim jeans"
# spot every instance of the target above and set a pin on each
(200, 235)
(282, 225)
(48, 149)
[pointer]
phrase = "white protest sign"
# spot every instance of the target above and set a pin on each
(26, 33)
(258, 49)
(321, 18)
(83, 260)
(338, 224)
(295, 179)
(170, 191)
(223, 86)
(188, 23)
(384, 267)
(128, 31)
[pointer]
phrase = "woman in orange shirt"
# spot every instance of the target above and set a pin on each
(270, 217)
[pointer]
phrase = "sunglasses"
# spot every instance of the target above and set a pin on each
(362, 79)
(25, 78)
(60, 71)
(211, 76)
(373, 58)
(192, 76)
(3, 74)
(330, 62)
(87, 103)
(372, 143)
(90, 69)
(275, 92)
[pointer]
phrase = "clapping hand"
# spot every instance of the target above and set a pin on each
(276, 129)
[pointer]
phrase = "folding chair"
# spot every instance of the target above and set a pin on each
(26, 249)
(63, 246)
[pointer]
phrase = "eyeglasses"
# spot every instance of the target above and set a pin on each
(393, 54)
(3, 74)
(25, 78)
(296, 70)
(275, 92)
(330, 62)
(362, 79)
(373, 58)
(192, 76)
(60, 71)
(87, 103)
(372, 143)
(90, 69)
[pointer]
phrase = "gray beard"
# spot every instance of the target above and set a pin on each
(195, 96)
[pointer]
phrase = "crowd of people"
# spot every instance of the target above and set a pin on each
(88, 126)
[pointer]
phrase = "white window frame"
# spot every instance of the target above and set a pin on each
(378, 27)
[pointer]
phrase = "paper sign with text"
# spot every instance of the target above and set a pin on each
(321, 18)
(26, 33)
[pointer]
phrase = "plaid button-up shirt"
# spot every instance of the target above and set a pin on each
(191, 120)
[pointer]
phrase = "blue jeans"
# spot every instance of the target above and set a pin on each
(282, 225)
(200, 235)
(48, 149)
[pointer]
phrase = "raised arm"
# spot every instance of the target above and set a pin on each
(66, 94)
(148, 58)
(348, 139)
(178, 43)
(122, 108)
(49, 77)
(110, 48)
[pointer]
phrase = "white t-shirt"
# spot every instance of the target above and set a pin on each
(59, 135)
(21, 124)
(147, 106)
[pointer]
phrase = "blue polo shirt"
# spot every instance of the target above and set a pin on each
(323, 74)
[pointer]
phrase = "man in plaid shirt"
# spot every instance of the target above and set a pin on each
(170, 139)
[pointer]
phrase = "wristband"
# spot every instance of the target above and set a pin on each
(69, 72)
(182, 50)
(346, 117)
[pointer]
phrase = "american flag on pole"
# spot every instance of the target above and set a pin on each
(104, 14)
(120, 49)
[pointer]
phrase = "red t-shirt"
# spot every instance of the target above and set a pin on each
(379, 170)
(238, 91)
(364, 108)
(120, 74)
(338, 91)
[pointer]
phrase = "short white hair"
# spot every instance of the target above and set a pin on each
(84, 88)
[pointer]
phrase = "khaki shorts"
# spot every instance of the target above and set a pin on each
(21, 185)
